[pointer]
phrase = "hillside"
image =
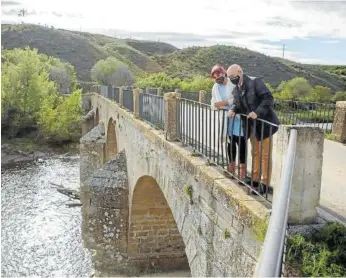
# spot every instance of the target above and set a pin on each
(198, 60)
(83, 50)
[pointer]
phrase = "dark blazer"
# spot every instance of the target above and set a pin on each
(254, 96)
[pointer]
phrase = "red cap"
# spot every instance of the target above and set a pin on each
(217, 70)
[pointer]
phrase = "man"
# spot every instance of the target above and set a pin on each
(253, 98)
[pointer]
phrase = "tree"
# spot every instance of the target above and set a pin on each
(30, 98)
(158, 80)
(59, 116)
(197, 83)
(112, 72)
(63, 74)
(320, 94)
(297, 88)
(339, 96)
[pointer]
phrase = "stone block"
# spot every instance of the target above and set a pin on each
(171, 110)
(306, 181)
(339, 123)
(92, 146)
(107, 228)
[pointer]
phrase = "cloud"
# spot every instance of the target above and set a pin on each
(249, 23)
(9, 3)
(331, 41)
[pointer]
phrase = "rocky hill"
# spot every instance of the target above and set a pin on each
(83, 50)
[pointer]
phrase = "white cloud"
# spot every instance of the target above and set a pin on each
(331, 41)
(256, 20)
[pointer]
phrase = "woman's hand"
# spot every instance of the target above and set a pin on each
(221, 104)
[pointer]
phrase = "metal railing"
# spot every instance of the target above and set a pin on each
(213, 135)
(305, 113)
(272, 256)
(128, 99)
(151, 109)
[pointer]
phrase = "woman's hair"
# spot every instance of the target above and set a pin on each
(217, 69)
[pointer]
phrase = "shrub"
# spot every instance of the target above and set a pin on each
(112, 72)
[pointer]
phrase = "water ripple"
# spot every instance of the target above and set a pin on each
(40, 236)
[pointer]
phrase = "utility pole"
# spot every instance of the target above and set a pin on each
(283, 51)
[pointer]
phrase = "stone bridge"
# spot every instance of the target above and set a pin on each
(149, 205)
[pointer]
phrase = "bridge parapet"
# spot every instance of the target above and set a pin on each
(221, 226)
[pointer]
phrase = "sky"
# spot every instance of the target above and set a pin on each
(312, 31)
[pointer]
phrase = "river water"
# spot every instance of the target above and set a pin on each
(40, 235)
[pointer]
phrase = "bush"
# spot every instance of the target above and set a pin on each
(30, 98)
(297, 88)
(158, 80)
(320, 254)
(320, 94)
(339, 96)
(196, 84)
(112, 72)
(59, 117)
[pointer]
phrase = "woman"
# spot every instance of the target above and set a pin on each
(222, 99)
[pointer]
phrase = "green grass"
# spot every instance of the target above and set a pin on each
(320, 254)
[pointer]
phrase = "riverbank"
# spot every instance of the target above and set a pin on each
(25, 150)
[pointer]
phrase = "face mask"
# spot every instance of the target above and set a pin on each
(220, 80)
(235, 80)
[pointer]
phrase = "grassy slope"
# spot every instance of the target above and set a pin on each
(83, 50)
(199, 60)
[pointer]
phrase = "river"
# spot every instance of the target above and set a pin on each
(40, 235)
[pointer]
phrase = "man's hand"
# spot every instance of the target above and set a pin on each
(252, 115)
(221, 104)
(231, 114)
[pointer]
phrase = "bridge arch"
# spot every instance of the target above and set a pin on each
(154, 240)
(97, 117)
(111, 143)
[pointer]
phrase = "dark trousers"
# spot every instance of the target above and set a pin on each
(240, 142)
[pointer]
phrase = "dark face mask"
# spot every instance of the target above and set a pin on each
(235, 80)
(220, 80)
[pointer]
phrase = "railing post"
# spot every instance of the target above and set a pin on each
(201, 97)
(339, 123)
(121, 96)
(147, 90)
(136, 93)
(171, 109)
(159, 92)
(306, 182)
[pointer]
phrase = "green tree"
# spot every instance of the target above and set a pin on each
(112, 72)
(320, 94)
(26, 83)
(197, 83)
(158, 80)
(59, 117)
(63, 74)
(27, 93)
(297, 88)
(339, 96)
